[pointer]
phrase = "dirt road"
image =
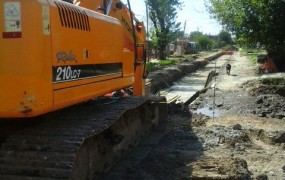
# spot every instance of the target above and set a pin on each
(244, 140)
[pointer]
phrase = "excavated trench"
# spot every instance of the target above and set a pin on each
(165, 78)
(245, 140)
(182, 84)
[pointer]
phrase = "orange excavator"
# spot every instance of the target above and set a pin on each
(67, 54)
(55, 56)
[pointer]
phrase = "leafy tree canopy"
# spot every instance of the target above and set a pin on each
(225, 36)
(254, 21)
(163, 15)
(195, 36)
(203, 41)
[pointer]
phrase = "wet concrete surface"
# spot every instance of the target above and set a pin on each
(188, 86)
(208, 111)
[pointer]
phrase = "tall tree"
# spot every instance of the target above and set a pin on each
(224, 38)
(205, 43)
(255, 21)
(195, 36)
(163, 15)
(202, 40)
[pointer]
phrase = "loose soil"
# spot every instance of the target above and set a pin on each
(243, 139)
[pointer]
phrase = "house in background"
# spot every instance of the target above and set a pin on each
(182, 46)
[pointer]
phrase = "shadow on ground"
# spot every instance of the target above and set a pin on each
(172, 157)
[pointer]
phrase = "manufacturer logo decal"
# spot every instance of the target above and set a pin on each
(65, 56)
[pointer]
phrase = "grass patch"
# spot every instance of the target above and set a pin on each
(252, 58)
(252, 54)
(273, 81)
(152, 66)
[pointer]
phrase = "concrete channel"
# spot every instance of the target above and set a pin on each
(188, 86)
(189, 79)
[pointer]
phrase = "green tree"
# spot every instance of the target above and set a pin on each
(154, 40)
(163, 15)
(203, 41)
(254, 21)
(224, 38)
(195, 36)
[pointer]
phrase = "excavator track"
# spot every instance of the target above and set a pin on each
(81, 142)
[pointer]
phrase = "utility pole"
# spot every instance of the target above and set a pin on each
(147, 32)
(184, 28)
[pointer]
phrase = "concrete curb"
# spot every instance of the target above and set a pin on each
(164, 78)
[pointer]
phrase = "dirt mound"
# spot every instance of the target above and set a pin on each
(265, 100)
(268, 137)
(221, 168)
(199, 120)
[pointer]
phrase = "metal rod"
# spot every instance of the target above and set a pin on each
(147, 31)
(104, 6)
(134, 34)
(214, 101)
(109, 7)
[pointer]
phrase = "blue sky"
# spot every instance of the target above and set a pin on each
(193, 12)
